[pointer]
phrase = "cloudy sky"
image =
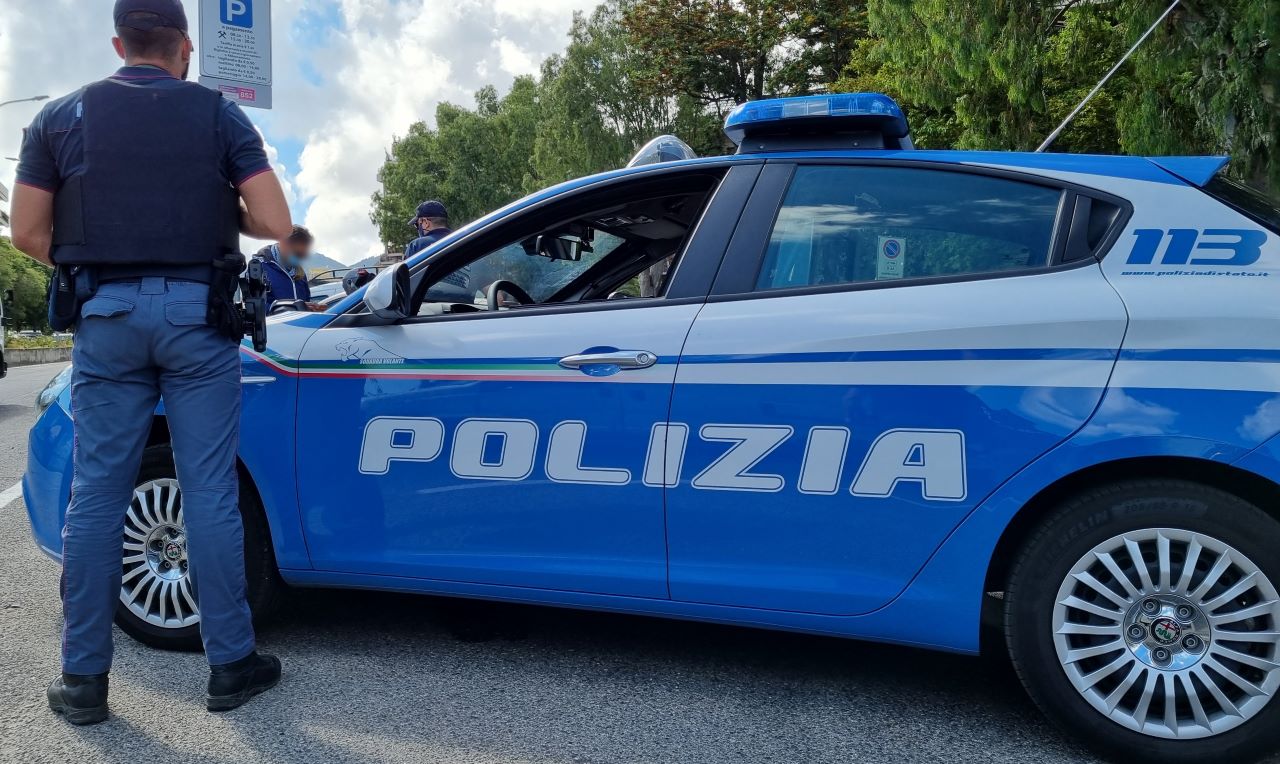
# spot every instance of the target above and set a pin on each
(349, 76)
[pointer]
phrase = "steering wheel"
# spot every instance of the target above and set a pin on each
(287, 306)
(511, 288)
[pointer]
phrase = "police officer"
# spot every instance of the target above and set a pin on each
(143, 181)
(432, 223)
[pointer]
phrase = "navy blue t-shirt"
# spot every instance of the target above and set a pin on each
(53, 146)
(422, 242)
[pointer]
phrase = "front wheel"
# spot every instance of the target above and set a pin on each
(1143, 617)
(157, 604)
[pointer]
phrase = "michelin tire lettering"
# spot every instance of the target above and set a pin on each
(506, 449)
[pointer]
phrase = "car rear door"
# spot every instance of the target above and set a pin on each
(885, 344)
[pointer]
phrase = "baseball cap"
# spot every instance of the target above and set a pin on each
(168, 13)
(432, 209)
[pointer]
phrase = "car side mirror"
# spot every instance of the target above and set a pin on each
(388, 295)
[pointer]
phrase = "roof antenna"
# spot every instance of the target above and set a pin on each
(1054, 135)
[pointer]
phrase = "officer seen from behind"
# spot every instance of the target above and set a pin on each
(134, 187)
(432, 223)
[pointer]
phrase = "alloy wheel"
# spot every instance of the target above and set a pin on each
(1170, 633)
(156, 585)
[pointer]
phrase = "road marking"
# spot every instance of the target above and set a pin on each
(10, 495)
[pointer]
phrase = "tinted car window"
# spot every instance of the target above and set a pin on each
(1249, 201)
(848, 225)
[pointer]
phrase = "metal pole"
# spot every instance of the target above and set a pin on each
(1054, 135)
(24, 100)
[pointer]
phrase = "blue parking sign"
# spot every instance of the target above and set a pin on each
(235, 50)
(237, 13)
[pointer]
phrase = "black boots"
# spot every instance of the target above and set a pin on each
(231, 685)
(82, 699)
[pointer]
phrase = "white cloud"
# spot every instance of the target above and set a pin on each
(349, 76)
(516, 60)
(273, 156)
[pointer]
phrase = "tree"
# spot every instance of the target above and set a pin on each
(1001, 74)
(981, 60)
(824, 35)
(717, 52)
(29, 281)
(1086, 44)
(597, 111)
(587, 113)
(720, 53)
(1208, 82)
(473, 160)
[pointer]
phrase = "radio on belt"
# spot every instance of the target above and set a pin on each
(846, 121)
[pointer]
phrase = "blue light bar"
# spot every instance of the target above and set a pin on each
(842, 113)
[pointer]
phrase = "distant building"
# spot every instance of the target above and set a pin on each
(4, 212)
(390, 258)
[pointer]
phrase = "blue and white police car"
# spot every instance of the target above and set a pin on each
(829, 384)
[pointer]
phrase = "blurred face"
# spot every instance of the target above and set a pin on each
(295, 253)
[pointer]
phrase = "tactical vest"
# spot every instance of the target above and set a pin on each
(153, 191)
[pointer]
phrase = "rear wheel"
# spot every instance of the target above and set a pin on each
(1144, 618)
(157, 604)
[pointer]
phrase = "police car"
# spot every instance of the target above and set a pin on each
(829, 384)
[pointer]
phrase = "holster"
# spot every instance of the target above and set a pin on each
(248, 316)
(69, 289)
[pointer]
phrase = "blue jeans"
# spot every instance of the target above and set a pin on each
(138, 341)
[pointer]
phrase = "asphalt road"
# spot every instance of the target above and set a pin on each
(391, 678)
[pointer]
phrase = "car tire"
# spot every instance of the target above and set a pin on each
(1170, 633)
(154, 516)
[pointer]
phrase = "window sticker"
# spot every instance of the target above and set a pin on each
(891, 263)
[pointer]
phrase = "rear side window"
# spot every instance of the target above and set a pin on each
(1247, 201)
(854, 224)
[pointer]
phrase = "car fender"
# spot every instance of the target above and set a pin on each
(947, 593)
(268, 443)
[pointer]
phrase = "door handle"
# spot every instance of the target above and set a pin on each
(623, 359)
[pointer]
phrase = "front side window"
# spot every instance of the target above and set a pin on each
(856, 224)
(614, 244)
(540, 276)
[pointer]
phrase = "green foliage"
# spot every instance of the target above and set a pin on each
(597, 114)
(825, 34)
(1000, 74)
(1208, 82)
(981, 60)
(473, 160)
(587, 113)
(1076, 57)
(982, 74)
(14, 342)
(720, 53)
(716, 52)
(29, 281)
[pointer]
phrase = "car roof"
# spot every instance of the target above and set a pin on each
(1171, 170)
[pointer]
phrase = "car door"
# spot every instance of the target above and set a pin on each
(502, 447)
(885, 345)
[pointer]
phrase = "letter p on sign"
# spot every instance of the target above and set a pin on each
(238, 13)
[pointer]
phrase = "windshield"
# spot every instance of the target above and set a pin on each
(1246, 200)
